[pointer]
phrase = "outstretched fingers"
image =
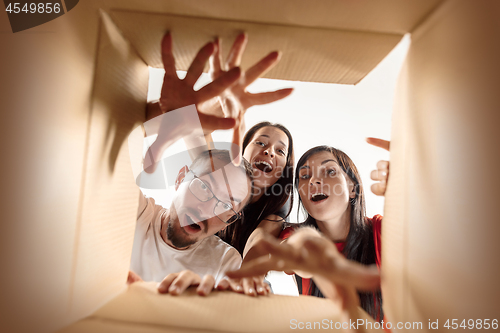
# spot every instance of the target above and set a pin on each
(262, 67)
(206, 285)
(237, 50)
(218, 86)
(269, 97)
(384, 144)
(177, 283)
(216, 60)
(167, 56)
(276, 259)
(199, 63)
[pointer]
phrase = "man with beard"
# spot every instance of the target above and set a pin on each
(178, 245)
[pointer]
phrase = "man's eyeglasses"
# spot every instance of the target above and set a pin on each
(223, 210)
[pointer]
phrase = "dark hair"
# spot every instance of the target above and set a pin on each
(359, 244)
(274, 197)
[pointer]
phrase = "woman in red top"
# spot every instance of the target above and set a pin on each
(331, 193)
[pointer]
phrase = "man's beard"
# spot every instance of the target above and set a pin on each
(176, 237)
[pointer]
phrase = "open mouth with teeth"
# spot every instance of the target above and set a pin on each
(263, 166)
(317, 197)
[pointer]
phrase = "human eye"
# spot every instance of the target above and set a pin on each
(331, 172)
(260, 143)
(281, 152)
(305, 176)
(203, 187)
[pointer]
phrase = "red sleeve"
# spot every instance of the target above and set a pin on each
(377, 233)
(287, 232)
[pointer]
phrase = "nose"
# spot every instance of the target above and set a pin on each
(205, 209)
(269, 152)
(315, 180)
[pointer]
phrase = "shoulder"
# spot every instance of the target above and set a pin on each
(217, 244)
(148, 210)
(376, 222)
(228, 255)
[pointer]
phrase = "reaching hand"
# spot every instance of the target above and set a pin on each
(310, 253)
(177, 93)
(382, 173)
(237, 93)
(251, 286)
(177, 283)
(236, 100)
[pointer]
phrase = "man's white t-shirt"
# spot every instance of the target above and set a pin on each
(153, 259)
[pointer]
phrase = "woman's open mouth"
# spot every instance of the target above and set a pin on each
(318, 197)
(263, 166)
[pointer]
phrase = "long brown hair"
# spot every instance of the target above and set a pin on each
(359, 244)
(274, 198)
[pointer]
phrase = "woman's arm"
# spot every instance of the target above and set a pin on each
(307, 250)
(271, 225)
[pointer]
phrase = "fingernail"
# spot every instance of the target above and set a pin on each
(260, 290)
(251, 291)
(173, 289)
(203, 291)
(238, 288)
(160, 288)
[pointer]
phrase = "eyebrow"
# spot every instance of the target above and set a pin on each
(330, 160)
(324, 162)
(267, 136)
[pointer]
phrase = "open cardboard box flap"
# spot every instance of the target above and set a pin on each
(80, 235)
(323, 41)
(129, 42)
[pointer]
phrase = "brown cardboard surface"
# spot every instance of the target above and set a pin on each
(72, 93)
(309, 54)
(46, 77)
(378, 16)
(140, 306)
(441, 221)
(105, 231)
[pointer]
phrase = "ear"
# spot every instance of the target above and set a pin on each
(180, 176)
(352, 190)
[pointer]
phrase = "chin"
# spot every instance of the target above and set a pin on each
(177, 238)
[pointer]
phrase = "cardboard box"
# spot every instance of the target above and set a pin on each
(73, 88)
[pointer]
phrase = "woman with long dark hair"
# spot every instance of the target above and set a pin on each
(269, 149)
(331, 194)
